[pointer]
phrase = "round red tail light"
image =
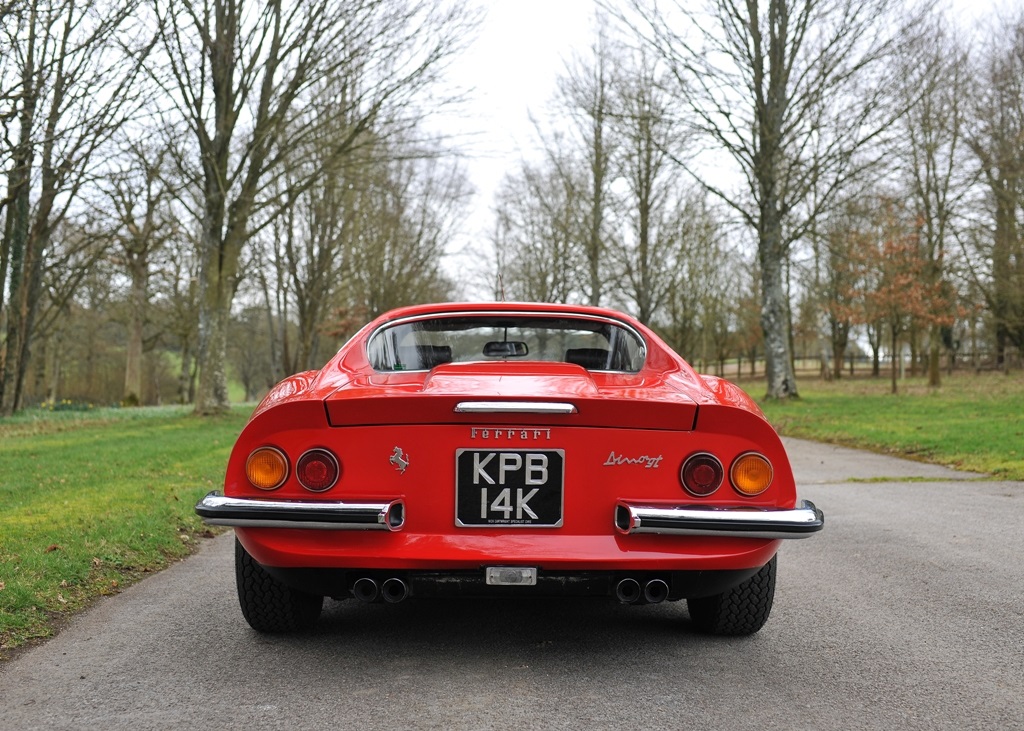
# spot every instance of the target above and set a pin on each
(317, 470)
(702, 474)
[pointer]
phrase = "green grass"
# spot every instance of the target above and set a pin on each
(93, 500)
(973, 423)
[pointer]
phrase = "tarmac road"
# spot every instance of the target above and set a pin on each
(906, 612)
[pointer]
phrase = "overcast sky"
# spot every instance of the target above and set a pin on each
(512, 65)
(511, 70)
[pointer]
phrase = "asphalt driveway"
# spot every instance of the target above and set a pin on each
(906, 612)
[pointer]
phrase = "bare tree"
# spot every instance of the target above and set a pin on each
(537, 234)
(406, 211)
(656, 209)
(297, 261)
(697, 281)
(69, 85)
(76, 254)
(249, 352)
(935, 78)
(585, 98)
(996, 137)
(139, 196)
(838, 267)
(240, 72)
(899, 296)
(177, 284)
(371, 235)
(793, 91)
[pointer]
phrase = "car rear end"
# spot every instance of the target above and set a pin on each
(514, 476)
(577, 493)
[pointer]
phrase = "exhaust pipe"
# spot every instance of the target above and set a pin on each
(394, 590)
(366, 590)
(655, 591)
(628, 591)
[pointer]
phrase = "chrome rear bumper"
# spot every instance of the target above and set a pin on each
(216, 509)
(738, 522)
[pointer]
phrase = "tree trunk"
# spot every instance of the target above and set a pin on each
(16, 229)
(875, 341)
(912, 338)
(838, 357)
(186, 381)
(217, 279)
(214, 314)
(18, 245)
(775, 318)
(9, 388)
(55, 351)
(895, 357)
(824, 354)
(934, 353)
(136, 321)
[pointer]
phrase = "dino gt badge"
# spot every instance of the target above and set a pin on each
(399, 459)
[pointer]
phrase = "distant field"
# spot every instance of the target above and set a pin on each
(973, 422)
(94, 500)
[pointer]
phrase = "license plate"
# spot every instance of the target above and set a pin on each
(509, 488)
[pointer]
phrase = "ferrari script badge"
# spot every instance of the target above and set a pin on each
(399, 460)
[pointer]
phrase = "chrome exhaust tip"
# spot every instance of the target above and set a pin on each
(394, 590)
(628, 591)
(366, 590)
(655, 591)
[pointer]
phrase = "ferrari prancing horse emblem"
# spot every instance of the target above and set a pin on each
(399, 460)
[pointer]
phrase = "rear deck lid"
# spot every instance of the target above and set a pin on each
(524, 393)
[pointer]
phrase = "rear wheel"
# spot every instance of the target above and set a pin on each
(269, 605)
(741, 610)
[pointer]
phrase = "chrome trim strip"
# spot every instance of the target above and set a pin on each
(216, 509)
(513, 407)
(737, 522)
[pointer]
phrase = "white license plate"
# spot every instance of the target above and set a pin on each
(509, 488)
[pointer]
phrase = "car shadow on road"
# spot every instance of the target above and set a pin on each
(587, 632)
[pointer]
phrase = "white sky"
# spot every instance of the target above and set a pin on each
(511, 68)
(509, 71)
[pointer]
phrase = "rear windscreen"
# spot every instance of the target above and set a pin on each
(424, 343)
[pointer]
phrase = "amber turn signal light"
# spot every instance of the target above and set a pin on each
(267, 468)
(751, 474)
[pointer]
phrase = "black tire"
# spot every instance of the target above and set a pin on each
(741, 610)
(267, 604)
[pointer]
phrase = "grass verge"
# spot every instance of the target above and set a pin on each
(973, 422)
(94, 501)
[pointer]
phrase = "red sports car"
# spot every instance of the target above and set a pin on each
(527, 449)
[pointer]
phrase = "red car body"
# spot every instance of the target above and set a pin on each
(435, 456)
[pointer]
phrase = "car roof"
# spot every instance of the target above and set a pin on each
(441, 308)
